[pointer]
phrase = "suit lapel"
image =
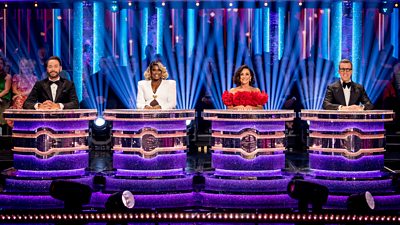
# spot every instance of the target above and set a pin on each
(353, 95)
(60, 89)
(339, 93)
(46, 87)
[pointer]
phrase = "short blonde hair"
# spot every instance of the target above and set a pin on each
(164, 73)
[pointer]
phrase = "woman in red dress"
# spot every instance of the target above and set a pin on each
(244, 96)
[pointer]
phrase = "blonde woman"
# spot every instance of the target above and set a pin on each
(156, 92)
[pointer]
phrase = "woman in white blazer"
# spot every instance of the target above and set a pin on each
(156, 92)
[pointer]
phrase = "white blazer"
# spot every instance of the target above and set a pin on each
(166, 94)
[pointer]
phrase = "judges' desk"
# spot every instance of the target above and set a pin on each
(248, 158)
(150, 156)
(47, 145)
(346, 149)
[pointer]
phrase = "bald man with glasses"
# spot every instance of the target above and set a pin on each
(344, 94)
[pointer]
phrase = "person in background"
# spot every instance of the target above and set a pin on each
(22, 84)
(244, 96)
(53, 92)
(156, 92)
(5, 93)
(345, 94)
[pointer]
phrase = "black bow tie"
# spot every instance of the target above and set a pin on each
(348, 85)
(57, 82)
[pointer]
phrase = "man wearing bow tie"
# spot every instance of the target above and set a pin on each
(53, 92)
(345, 94)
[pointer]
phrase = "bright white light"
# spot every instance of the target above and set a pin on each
(99, 121)
(265, 4)
(129, 3)
(230, 4)
(128, 199)
(188, 122)
(370, 200)
(212, 14)
(197, 3)
(163, 3)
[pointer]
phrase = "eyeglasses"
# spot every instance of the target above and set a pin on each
(345, 69)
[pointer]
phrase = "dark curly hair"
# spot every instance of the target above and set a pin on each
(3, 73)
(236, 77)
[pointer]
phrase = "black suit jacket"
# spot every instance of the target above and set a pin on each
(66, 94)
(334, 96)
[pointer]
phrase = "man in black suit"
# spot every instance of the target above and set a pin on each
(53, 92)
(345, 94)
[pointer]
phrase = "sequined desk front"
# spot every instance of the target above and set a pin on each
(150, 153)
(346, 149)
(47, 145)
(248, 158)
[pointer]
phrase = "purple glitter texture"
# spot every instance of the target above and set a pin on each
(58, 162)
(236, 126)
(236, 162)
(246, 186)
(341, 163)
(160, 162)
(150, 185)
(158, 125)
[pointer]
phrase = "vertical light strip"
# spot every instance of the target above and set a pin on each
(266, 30)
(144, 31)
(325, 33)
(257, 31)
(336, 34)
(394, 35)
(357, 40)
(123, 37)
(191, 31)
(5, 31)
(98, 34)
(78, 48)
(281, 30)
(160, 30)
(56, 32)
(114, 32)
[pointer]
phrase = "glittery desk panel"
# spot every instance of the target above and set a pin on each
(59, 162)
(15, 185)
(237, 162)
(341, 163)
(160, 162)
(150, 185)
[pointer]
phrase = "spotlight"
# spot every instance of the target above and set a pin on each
(308, 193)
(230, 4)
(5, 5)
(362, 202)
(35, 4)
(197, 4)
(265, 4)
(300, 3)
(396, 5)
(99, 122)
(129, 3)
(163, 3)
(72, 193)
(120, 201)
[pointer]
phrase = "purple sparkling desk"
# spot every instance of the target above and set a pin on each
(48, 145)
(150, 156)
(248, 158)
(346, 150)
